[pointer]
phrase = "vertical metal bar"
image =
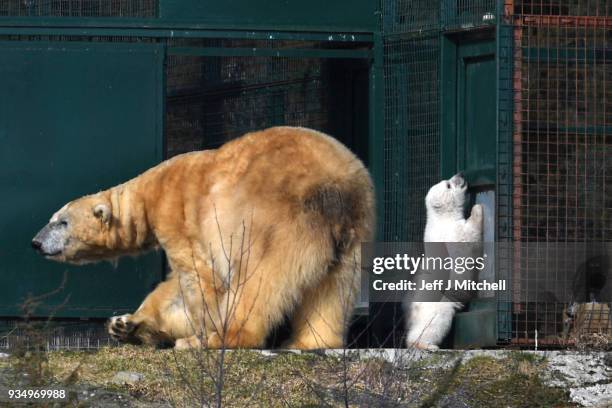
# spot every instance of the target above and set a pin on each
(376, 141)
(448, 106)
(503, 193)
(517, 166)
(161, 142)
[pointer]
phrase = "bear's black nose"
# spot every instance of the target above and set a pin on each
(36, 244)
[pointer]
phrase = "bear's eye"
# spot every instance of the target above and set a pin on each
(447, 184)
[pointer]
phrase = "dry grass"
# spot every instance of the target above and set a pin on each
(166, 374)
(310, 380)
(511, 382)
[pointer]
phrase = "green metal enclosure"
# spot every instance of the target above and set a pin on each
(512, 92)
(94, 93)
(440, 64)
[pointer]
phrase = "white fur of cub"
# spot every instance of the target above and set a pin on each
(428, 323)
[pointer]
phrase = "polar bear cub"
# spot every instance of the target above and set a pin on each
(428, 323)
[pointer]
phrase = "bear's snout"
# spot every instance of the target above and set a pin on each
(47, 241)
(458, 180)
(39, 240)
(36, 244)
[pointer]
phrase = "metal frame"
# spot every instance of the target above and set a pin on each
(503, 192)
(318, 16)
(377, 138)
(171, 31)
(268, 52)
(162, 33)
(450, 120)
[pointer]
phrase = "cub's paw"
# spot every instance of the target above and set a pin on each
(477, 211)
(121, 328)
(425, 346)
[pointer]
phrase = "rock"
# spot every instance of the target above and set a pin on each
(598, 395)
(576, 370)
(588, 376)
(608, 359)
(127, 377)
(4, 355)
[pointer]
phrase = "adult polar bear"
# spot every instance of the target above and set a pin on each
(267, 225)
(428, 323)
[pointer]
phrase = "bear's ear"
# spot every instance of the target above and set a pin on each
(102, 212)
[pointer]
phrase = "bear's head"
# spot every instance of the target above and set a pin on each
(79, 232)
(448, 196)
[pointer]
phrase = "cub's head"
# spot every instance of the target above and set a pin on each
(448, 196)
(78, 232)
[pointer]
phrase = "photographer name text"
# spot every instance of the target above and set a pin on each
(439, 284)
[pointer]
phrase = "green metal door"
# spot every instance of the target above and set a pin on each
(469, 131)
(75, 118)
(469, 144)
(476, 115)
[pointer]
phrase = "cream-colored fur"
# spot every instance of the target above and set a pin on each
(428, 323)
(268, 225)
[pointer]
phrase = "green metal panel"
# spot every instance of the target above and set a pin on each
(469, 115)
(448, 107)
(376, 142)
(476, 327)
(358, 16)
(338, 15)
(269, 52)
(75, 118)
(469, 144)
(476, 136)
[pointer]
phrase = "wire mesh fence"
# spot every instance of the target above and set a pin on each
(411, 131)
(53, 335)
(211, 100)
(78, 8)
(561, 162)
(554, 148)
(412, 64)
(408, 16)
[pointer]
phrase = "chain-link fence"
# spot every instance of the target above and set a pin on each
(561, 162)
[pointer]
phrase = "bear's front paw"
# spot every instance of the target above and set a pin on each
(187, 343)
(121, 327)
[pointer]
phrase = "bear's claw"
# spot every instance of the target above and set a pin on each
(121, 327)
